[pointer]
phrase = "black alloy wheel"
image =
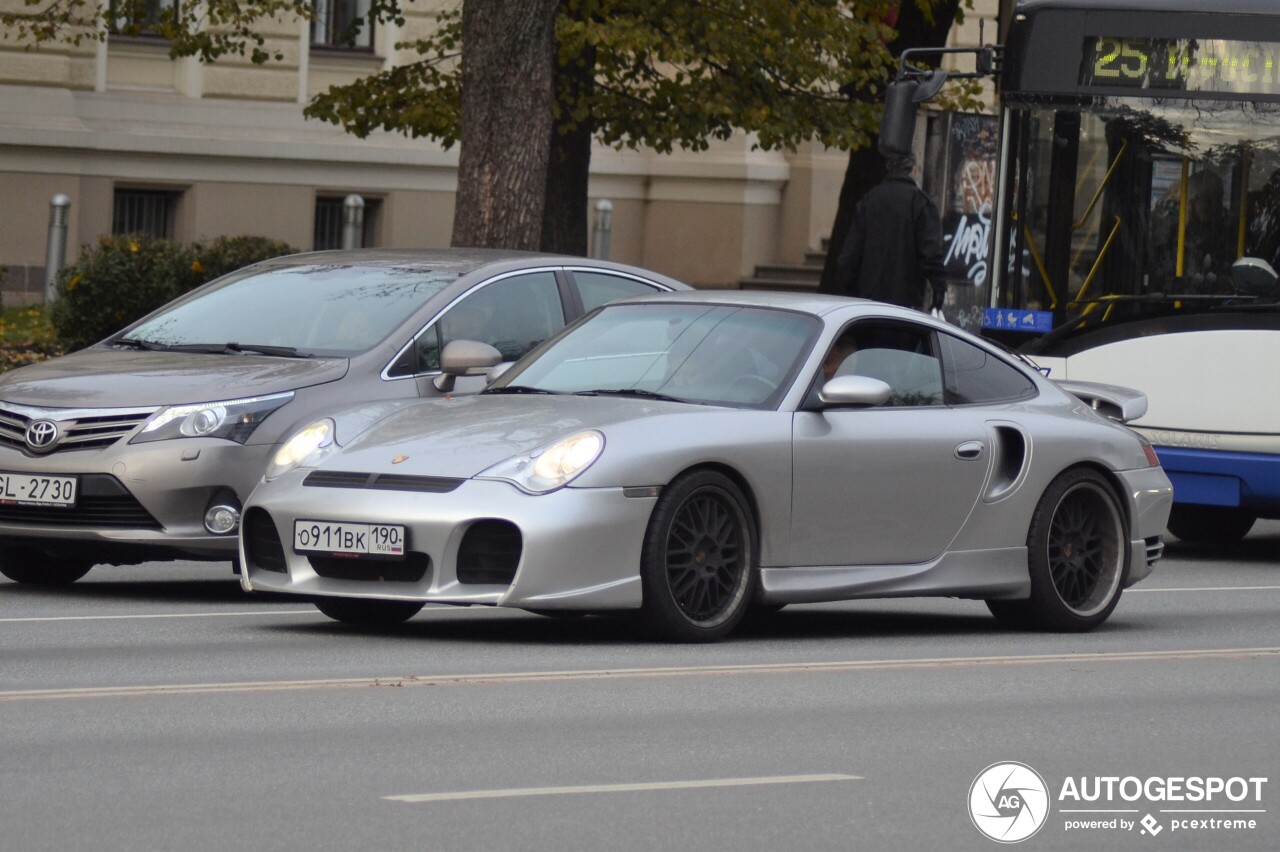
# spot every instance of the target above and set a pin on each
(1083, 545)
(1078, 557)
(698, 566)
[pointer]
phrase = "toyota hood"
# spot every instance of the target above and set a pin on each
(110, 378)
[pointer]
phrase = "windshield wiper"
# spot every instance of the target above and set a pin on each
(518, 389)
(136, 343)
(237, 348)
(264, 349)
(637, 392)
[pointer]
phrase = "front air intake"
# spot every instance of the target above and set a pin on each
(490, 553)
(262, 543)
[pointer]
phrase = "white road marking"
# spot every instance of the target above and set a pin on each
(515, 792)
(616, 674)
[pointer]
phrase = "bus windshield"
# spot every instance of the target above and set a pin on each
(1125, 207)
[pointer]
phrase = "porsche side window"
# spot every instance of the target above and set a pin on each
(598, 288)
(899, 356)
(975, 376)
(512, 315)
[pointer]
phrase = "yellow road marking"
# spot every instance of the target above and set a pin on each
(628, 673)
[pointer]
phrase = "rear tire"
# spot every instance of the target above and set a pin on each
(366, 612)
(697, 568)
(1210, 524)
(1077, 555)
(34, 567)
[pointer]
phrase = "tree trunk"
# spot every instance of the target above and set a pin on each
(866, 167)
(565, 219)
(508, 59)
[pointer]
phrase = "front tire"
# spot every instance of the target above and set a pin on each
(1077, 554)
(697, 568)
(1210, 524)
(366, 612)
(34, 567)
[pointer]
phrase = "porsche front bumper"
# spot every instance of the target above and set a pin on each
(579, 548)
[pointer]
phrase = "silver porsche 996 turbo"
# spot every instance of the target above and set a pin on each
(692, 456)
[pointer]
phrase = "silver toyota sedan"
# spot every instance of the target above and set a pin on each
(692, 456)
(145, 446)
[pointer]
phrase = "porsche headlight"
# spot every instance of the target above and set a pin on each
(548, 468)
(305, 448)
(232, 419)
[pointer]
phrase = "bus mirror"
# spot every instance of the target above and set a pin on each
(898, 126)
(899, 123)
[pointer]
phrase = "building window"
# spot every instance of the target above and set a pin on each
(145, 211)
(342, 24)
(328, 230)
(140, 17)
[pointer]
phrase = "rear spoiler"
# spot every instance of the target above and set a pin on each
(1113, 401)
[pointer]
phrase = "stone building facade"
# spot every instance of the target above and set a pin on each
(139, 141)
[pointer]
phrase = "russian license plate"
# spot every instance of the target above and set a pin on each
(24, 489)
(343, 539)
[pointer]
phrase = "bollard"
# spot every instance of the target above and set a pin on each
(602, 230)
(352, 222)
(56, 253)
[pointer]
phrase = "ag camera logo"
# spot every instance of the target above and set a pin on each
(1008, 802)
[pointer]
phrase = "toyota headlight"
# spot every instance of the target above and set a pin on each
(550, 467)
(232, 419)
(305, 448)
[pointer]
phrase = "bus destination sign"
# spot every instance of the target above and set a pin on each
(1181, 65)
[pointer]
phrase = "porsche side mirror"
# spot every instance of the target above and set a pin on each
(465, 358)
(859, 391)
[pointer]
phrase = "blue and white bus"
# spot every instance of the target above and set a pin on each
(1138, 223)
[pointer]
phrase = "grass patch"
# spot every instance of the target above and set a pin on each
(26, 336)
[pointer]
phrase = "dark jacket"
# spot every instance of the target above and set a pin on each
(894, 246)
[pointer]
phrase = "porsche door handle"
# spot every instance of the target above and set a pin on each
(969, 450)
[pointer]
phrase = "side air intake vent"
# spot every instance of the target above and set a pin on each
(1010, 462)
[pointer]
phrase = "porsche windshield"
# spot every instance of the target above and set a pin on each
(709, 354)
(316, 309)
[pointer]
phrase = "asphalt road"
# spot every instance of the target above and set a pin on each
(159, 708)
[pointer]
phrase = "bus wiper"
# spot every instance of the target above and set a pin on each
(518, 389)
(637, 392)
(138, 343)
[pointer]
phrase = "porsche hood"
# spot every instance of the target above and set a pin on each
(463, 436)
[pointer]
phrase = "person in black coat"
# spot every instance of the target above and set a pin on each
(894, 245)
